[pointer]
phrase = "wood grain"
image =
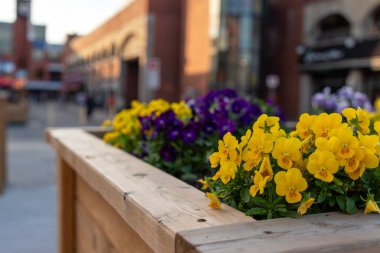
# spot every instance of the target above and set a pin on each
(332, 232)
(120, 237)
(17, 112)
(66, 206)
(154, 204)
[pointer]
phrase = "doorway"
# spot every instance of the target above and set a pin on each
(130, 81)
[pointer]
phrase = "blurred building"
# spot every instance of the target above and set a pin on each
(281, 35)
(340, 46)
(25, 55)
(169, 49)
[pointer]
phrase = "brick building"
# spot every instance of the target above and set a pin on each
(340, 46)
(115, 56)
(187, 46)
(202, 44)
(25, 55)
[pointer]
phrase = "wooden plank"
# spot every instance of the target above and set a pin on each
(154, 204)
(121, 237)
(17, 112)
(66, 206)
(89, 237)
(3, 140)
(332, 232)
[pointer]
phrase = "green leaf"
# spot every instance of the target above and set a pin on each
(332, 202)
(282, 210)
(341, 200)
(256, 211)
(260, 202)
(350, 206)
(321, 196)
(245, 195)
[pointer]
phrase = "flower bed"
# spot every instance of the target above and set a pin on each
(110, 201)
(345, 97)
(179, 137)
(329, 163)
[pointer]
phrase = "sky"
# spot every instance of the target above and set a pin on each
(65, 16)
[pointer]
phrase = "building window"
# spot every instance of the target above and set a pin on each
(334, 27)
(39, 74)
(55, 76)
(376, 21)
(238, 46)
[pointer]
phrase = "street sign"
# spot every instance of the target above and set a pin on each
(153, 73)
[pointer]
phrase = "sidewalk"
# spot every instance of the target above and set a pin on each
(28, 207)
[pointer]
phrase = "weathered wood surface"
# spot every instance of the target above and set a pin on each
(110, 232)
(3, 139)
(66, 203)
(17, 112)
(154, 204)
(331, 232)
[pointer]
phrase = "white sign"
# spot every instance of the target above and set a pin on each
(272, 81)
(153, 73)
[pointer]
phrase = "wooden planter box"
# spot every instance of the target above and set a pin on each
(110, 201)
(17, 112)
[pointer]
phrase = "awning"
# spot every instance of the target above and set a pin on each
(44, 85)
(6, 81)
(357, 54)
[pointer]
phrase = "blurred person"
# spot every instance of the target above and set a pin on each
(90, 105)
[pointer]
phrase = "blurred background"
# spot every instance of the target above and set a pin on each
(76, 62)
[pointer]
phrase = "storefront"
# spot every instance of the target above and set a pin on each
(238, 46)
(352, 63)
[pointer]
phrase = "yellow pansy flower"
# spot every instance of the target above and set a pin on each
(301, 165)
(259, 183)
(302, 209)
(214, 201)
(286, 151)
(227, 170)
(306, 145)
(205, 184)
(106, 123)
(120, 120)
(259, 144)
(266, 169)
(377, 127)
(304, 124)
(357, 173)
(359, 117)
(377, 104)
(111, 136)
(227, 146)
(322, 164)
(214, 159)
(323, 144)
(352, 164)
(251, 161)
(242, 145)
(324, 123)
(181, 110)
(266, 124)
(343, 143)
(371, 207)
(290, 184)
(369, 142)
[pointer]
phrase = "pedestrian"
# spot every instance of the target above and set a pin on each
(90, 104)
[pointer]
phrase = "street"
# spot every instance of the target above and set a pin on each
(28, 206)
